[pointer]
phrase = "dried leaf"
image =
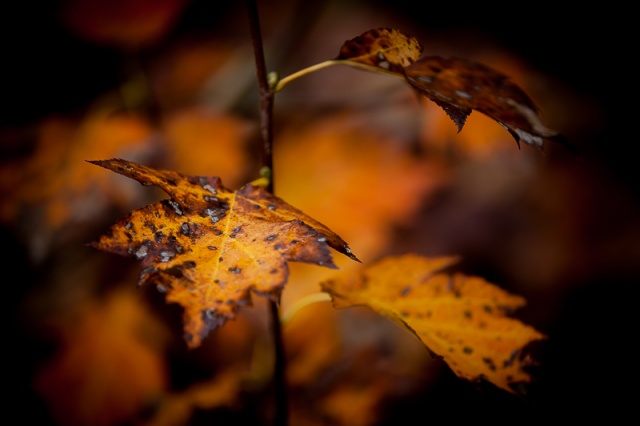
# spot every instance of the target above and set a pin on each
(461, 319)
(460, 86)
(384, 48)
(209, 247)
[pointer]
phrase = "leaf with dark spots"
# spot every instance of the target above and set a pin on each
(459, 86)
(211, 270)
(447, 312)
(381, 48)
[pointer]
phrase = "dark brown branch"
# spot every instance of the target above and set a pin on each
(266, 131)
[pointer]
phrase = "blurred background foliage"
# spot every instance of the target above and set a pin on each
(171, 84)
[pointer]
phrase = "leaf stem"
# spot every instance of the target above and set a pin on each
(303, 302)
(283, 82)
(313, 68)
(266, 129)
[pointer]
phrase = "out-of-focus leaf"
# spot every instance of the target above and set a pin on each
(461, 319)
(209, 247)
(178, 408)
(342, 159)
(190, 132)
(121, 23)
(339, 374)
(460, 86)
(110, 365)
(54, 187)
(385, 48)
(312, 343)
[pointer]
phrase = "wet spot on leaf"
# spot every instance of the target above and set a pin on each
(166, 255)
(175, 207)
(142, 252)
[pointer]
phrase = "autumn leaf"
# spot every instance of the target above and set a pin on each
(460, 318)
(209, 247)
(384, 48)
(459, 86)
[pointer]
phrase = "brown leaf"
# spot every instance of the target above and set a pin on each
(384, 48)
(459, 318)
(209, 247)
(460, 86)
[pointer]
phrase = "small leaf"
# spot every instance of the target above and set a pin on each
(459, 86)
(208, 247)
(459, 318)
(384, 48)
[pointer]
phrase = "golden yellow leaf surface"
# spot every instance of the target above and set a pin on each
(208, 247)
(384, 48)
(461, 319)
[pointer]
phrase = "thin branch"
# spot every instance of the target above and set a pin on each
(266, 131)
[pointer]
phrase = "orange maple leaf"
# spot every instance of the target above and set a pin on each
(209, 247)
(459, 318)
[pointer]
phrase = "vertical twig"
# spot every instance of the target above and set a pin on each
(266, 131)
